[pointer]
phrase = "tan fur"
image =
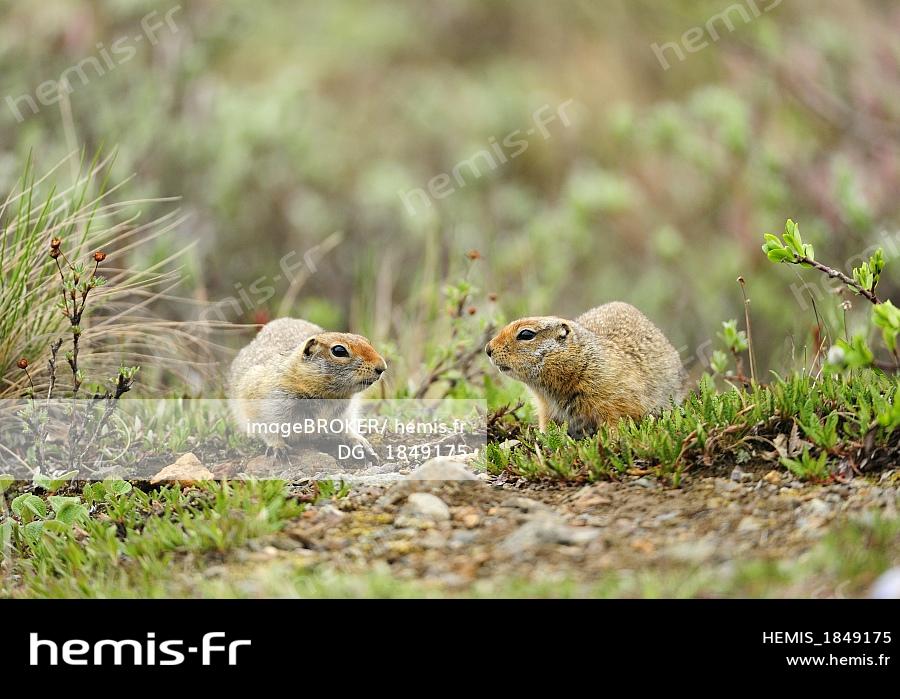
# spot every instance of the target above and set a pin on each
(608, 363)
(291, 359)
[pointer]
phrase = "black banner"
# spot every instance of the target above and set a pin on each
(214, 640)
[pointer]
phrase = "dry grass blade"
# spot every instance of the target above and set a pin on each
(125, 323)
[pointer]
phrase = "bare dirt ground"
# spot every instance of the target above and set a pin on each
(631, 537)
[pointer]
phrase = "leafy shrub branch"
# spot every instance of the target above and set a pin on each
(791, 249)
(855, 352)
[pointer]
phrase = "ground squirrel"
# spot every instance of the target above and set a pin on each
(609, 363)
(292, 359)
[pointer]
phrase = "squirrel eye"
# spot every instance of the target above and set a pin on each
(526, 335)
(340, 351)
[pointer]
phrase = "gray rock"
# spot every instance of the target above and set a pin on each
(546, 530)
(454, 580)
(727, 486)
(810, 525)
(739, 475)
(668, 516)
(329, 513)
(462, 538)
(443, 468)
(749, 524)
(818, 507)
(432, 539)
(646, 483)
(692, 551)
(430, 476)
(525, 504)
(427, 506)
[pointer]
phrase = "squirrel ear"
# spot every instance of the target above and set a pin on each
(308, 346)
(563, 331)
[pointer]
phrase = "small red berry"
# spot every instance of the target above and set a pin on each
(22, 363)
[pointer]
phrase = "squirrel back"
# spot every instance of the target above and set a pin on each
(624, 331)
(272, 343)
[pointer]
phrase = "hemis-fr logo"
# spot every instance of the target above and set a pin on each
(213, 649)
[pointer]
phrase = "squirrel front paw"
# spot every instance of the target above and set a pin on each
(371, 456)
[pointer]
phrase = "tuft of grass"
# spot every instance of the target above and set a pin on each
(842, 419)
(808, 467)
(135, 542)
(122, 327)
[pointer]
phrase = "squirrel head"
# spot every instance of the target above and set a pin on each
(337, 365)
(538, 351)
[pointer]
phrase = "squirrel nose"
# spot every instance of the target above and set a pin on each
(380, 370)
(488, 349)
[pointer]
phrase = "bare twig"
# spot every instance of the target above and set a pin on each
(123, 385)
(51, 366)
(837, 274)
(749, 331)
(33, 419)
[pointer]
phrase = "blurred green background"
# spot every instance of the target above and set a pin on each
(281, 123)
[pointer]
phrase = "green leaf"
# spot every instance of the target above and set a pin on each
(51, 485)
(6, 530)
(887, 317)
(868, 274)
(792, 238)
(116, 486)
(852, 355)
(808, 252)
(57, 526)
(71, 513)
(807, 466)
(68, 509)
(791, 249)
(33, 531)
(863, 276)
(780, 255)
(41, 481)
(719, 362)
(93, 492)
(5, 482)
(734, 339)
(28, 506)
(890, 418)
(876, 262)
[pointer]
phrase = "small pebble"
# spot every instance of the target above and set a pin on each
(427, 506)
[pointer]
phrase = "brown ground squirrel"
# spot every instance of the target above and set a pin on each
(292, 359)
(609, 363)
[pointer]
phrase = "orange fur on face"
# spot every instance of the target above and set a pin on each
(523, 360)
(361, 351)
(508, 334)
(365, 351)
